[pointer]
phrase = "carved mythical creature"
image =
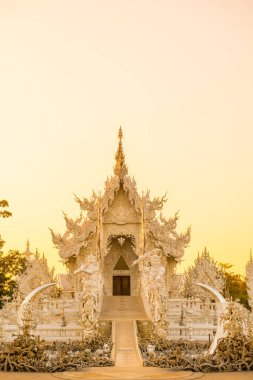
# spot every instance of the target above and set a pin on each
(92, 281)
(152, 206)
(155, 253)
(74, 238)
(164, 235)
(85, 204)
(153, 283)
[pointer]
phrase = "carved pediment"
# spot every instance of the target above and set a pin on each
(121, 211)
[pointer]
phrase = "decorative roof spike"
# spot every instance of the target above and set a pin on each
(250, 256)
(36, 253)
(120, 168)
(27, 252)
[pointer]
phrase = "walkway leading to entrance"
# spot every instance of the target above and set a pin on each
(124, 310)
(125, 345)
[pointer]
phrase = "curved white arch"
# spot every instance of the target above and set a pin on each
(28, 298)
(222, 305)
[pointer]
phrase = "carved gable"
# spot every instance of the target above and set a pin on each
(121, 211)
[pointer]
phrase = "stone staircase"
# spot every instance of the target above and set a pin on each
(122, 308)
(124, 311)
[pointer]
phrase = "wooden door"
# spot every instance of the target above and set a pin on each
(121, 285)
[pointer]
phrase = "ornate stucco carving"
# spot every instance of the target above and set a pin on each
(129, 185)
(119, 237)
(203, 271)
(153, 284)
(112, 186)
(89, 207)
(121, 210)
(121, 215)
(120, 205)
(74, 238)
(164, 235)
(91, 278)
(36, 274)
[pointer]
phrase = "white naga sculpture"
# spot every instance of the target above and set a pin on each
(24, 306)
(92, 288)
(222, 305)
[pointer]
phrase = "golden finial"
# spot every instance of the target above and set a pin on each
(250, 256)
(120, 134)
(120, 168)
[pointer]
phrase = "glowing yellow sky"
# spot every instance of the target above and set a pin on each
(177, 75)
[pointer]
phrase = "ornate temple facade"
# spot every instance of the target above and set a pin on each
(120, 245)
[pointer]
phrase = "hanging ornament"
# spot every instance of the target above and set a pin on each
(121, 240)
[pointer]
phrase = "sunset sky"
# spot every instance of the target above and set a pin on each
(176, 75)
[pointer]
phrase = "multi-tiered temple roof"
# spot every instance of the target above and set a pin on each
(155, 228)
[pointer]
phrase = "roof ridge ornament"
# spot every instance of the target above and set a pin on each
(27, 252)
(120, 168)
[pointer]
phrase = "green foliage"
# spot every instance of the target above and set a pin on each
(11, 265)
(235, 285)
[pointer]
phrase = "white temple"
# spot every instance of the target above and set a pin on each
(120, 246)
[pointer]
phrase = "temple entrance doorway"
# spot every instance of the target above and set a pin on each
(120, 276)
(121, 286)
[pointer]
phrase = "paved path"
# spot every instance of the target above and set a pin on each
(125, 345)
(124, 310)
(126, 373)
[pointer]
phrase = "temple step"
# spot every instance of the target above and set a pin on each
(122, 308)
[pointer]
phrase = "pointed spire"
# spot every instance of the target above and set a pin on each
(27, 252)
(120, 168)
(250, 256)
